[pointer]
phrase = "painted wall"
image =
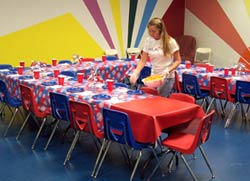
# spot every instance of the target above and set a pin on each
(42, 30)
(223, 26)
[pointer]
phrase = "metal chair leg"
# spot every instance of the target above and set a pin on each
(38, 134)
(136, 164)
(230, 116)
(102, 159)
(99, 156)
(206, 160)
(23, 125)
(189, 168)
(51, 135)
(72, 146)
(11, 121)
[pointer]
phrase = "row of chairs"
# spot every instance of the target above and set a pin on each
(116, 127)
(218, 93)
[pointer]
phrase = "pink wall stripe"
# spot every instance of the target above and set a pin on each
(96, 13)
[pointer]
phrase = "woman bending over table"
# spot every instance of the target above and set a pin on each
(164, 55)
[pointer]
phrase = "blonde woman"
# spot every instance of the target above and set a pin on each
(164, 55)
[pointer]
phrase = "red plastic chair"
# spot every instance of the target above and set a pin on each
(182, 97)
(219, 90)
(177, 84)
(82, 119)
(34, 109)
(150, 90)
(187, 143)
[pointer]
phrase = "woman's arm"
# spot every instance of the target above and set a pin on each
(177, 62)
(139, 67)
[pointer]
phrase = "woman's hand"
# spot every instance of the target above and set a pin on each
(165, 73)
(133, 78)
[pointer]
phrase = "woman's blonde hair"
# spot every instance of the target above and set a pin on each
(159, 24)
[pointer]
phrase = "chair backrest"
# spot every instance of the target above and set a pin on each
(64, 61)
(6, 97)
(203, 55)
(145, 72)
(203, 130)
(187, 45)
(111, 52)
(219, 88)
(29, 102)
(111, 57)
(242, 92)
(133, 50)
(182, 97)
(59, 106)
(117, 127)
(6, 66)
(190, 85)
(177, 85)
(150, 90)
(70, 73)
(82, 118)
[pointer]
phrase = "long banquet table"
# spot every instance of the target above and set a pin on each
(204, 76)
(149, 114)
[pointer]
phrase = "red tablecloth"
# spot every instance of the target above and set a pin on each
(151, 115)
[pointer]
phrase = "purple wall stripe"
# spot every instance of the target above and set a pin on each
(96, 13)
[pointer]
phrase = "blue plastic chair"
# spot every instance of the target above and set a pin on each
(6, 66)
(111, 58)
(70, 73)
(64, 61)
(242, 97)
(190, 85)
(60, 111)
(10, 102)
(117, 129)
(145, 72)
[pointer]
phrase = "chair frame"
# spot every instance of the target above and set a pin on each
(29, 104)
(11, 103)
(117, 129)
(242, 93)
(201, 136)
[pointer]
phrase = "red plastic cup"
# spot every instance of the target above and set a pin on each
(81, 60)
(233, 71)
(60, 80)
(188, 64)
(54, 62)
(133, 57)
(110, 84)
(36, 74)
(104, 58)
(22, 63)
(56, 72)
(226, 71)
(80, 77)
(20, 70)
(210, 68)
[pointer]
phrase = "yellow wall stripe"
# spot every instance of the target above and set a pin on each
(59, 37)
(115, 6)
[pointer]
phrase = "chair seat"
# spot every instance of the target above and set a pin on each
(182, 142)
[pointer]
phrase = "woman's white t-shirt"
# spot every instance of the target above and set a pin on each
(158, 60)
